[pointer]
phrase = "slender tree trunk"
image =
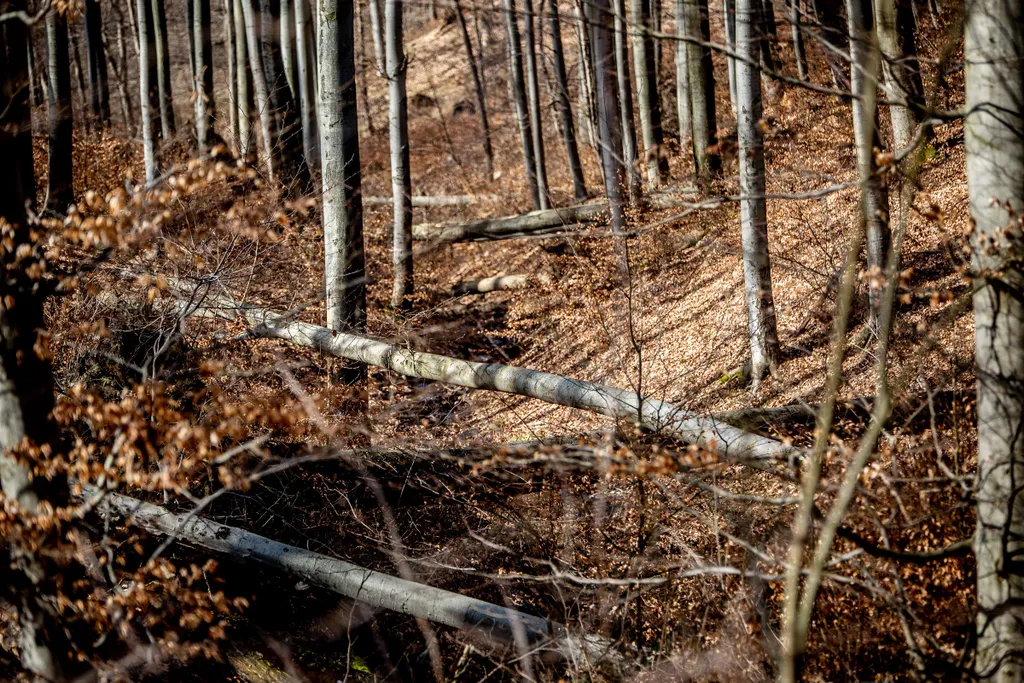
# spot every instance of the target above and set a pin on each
(478, 88)
(268, 127)
(243, 86)
(34, 97)
(203, 94)
(130, 6)
(79, 75)
(294, 173)
(899, 65)
(834, 39)
(230, 49)
(799, 53)
(119, 65)
(865, 129)
(59, 191)
(305, 54)
(361, 76)
(289, 59)
(645, 67)
(994, 137)
(377, 32)
(757, 273)
(625, 90)
(518, 85)
(564, 107)
(401, 178)
(701, 93)
(729, 19)
(26, 399)
(99, 88)
(588, 89)
(533, 97)
(168, 127)
(609, 112)
(147, 86)
(769, 35)
(680, 53)
(342, 197)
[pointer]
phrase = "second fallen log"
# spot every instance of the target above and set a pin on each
(498, 228)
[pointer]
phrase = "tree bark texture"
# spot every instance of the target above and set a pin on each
(609, 111)
(649, 103)
(202, 96)
(99, 87)
(148, 96)
(625, 99)
(401, 177)
(701, 88)
(478, 89)
(564, 107)
(533, 98)
(900, 68)
(517, 82)
(305, 55)
(244, 86)
(60, 191)
(163, 70)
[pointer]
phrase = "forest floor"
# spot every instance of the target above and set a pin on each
(674, 329)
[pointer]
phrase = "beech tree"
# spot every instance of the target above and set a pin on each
(517, 82)
(165, 92)
(625, 99)
(305, 55)
(994, 137)
(648, 100)
(401, 179)
(757, 273)
(607, 77)
(60, 192)
(99, 88)
(148, 96)
(895, 28)
(293, 172)
(243, 86)
(202, 75)
(478, 88)
(533, 98)
(564, 107)
(700, 85)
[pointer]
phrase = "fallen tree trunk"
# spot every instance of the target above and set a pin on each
(533, 223)
(435, 200)
(498, 283)
(648, 413)
(373, 588)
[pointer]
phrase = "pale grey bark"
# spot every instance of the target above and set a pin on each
(648, 101)
(650, 413)
(163, 70)
(244, 85)
(202, 95)
(605, 38)
(60, 160)
(898, 77)
(401, 177)
(564, 107)
(701, 87)
(729, 19)
(434, 200)
(377, 33)
(120, 68)
(799, 53)
(345, 266)
(681, 53)
(757, 274)
(587, 111)
(287, 39)
(305, 55)
(625, 101)
(994, 138)
(79, 75)
(268, 129)
(533, 98)
(229, 56)
(864, 74)
(497, 228)
(146, 88)
(517, 84)
(499, 283)
(375, 589)
(478, 88)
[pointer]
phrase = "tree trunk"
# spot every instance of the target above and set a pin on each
(498, 228)
(99, 88)
(757, 274)
(606, 73)
(243, 86)
(168, 126)
(681, 52)
(768, 34)
(401, 178)
(35, 98)
(268, 127)
(363, 61)
(588, 89)
(26, 398)
(645, 67)
(377, 33)
(289, 58)
(729, 19)
(564, 107)
(478, 87)
(533, 96)
(620, 404)
(380, 591)
(342, 197)
(60, 191)
(294, 174)
(121, 69)
(305, 54)
(701, 93)
(79, 75)
(901, 70)
(834, 39)
(865, 129)
(518, 84)
(799, 53)
(230, 49)
(625, 97)
(202, 96)
(148, 97)
(994, 138)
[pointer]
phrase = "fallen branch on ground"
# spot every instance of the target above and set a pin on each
(498, 283)
(373, 588)
(648, 413)
(435, 200)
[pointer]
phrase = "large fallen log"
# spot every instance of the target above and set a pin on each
(498, 283)
(648, 413)
(435, 200)
(373, 588)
